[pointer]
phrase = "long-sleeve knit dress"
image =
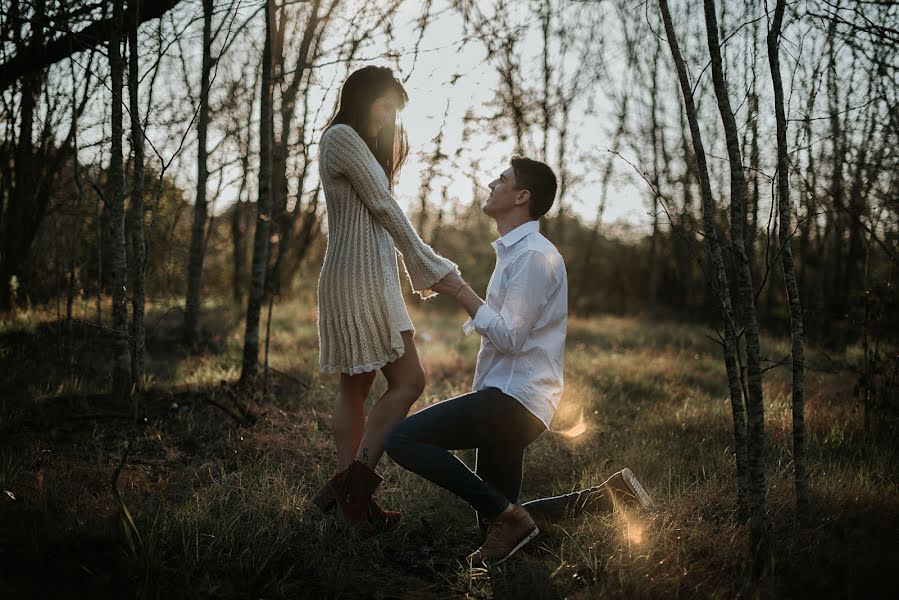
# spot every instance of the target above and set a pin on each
(361, 311)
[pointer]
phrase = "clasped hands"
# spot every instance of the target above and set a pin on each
(450, 285)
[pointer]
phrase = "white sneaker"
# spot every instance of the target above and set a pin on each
(635, 489)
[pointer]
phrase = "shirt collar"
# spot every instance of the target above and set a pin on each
(516, 235)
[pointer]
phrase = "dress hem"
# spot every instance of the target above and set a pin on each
(366, 368)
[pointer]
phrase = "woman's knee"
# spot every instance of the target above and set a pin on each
(411, 385)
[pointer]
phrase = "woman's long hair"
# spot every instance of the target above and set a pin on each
(359, 92)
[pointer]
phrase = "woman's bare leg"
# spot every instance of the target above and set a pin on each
(348, 422)
(405, 383)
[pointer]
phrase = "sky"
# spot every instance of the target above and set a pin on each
(446, 77)
(429, 87)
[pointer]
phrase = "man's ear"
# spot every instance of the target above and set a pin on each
(522, 198)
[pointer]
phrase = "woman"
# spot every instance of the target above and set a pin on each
(363, 324)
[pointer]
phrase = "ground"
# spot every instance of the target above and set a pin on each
(207, 493)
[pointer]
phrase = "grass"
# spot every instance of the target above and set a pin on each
(222, 509)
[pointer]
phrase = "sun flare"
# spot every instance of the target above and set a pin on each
(577, 429)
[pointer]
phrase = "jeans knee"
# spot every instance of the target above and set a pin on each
(396, 443)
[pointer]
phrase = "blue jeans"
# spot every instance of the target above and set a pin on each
(496, 424)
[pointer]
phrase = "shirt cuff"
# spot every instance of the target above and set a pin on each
(468, 327)
(483, 318)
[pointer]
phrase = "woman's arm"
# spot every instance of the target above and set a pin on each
(347, 154)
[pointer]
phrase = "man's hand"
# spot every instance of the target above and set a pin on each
(449, 285)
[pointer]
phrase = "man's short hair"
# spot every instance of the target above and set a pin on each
(537, 178)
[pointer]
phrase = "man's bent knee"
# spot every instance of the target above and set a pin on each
(397, 442)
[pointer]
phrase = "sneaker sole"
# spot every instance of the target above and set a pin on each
(631, 480)
(520, 545)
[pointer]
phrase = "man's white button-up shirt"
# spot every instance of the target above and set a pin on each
(524, 321)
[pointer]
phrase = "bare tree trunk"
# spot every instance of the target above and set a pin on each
(13, 250)
(587, 265)
(563, 172)
(752, 210)
(263, 207)
(653, 283)
(545, 28)
(198, 231)
(857, 200)
(73, 234)
(238, 231)
(746, 298)
(100, 218)
(514, 101)
(121, 380)
(685, 223)
(750, 218)
(138, 242)
(281, 144)
(720, 284)
(789, 271)
(837, 279)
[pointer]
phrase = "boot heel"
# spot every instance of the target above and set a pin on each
(325, 498)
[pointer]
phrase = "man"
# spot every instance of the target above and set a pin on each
(518, 377)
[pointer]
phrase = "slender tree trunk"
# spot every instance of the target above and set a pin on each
(685, 223)
(73, 233)
(545, 28)
(746, 299)
(281, 144)
(263, 207)
(121, 380)
(138, 241)
(588, 265)
(14, 244)
(808, 255)
(837, 281)
(563, 172)
(100, 243)
(750, 218)
(238, 231)
(857, 197)
(720, 284)
(198, 231)
(789, 271)
(653, 283)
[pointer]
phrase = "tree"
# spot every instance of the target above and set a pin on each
(789, 269)
(138, 241)
(720, 284)
(755, 407)
(42, 52)
(121, 378)
(198, 231)
(263, 206)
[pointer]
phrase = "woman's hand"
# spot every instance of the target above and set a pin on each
(449, 285)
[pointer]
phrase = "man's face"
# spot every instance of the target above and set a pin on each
(504, 195)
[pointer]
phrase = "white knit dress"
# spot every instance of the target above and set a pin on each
(361, 311)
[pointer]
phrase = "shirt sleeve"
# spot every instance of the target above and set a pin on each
(347, 154)
(532, 282)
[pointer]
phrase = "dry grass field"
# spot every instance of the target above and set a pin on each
(212, 496)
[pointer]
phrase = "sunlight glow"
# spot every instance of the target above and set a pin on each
(634, 533)
(577, 429)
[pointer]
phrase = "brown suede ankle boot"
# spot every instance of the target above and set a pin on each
(383, 520)
(326, 497)
(354, 496)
